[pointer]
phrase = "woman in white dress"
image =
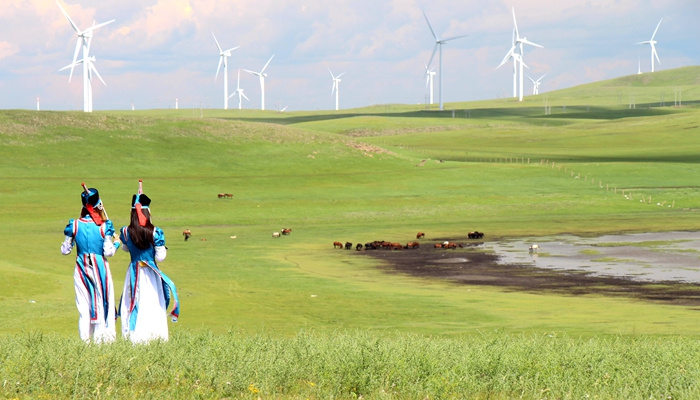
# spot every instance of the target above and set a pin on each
(148, 292)
(92, 235)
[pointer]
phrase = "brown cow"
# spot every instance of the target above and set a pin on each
(222, 195)
(286, 231)
(412, 245)
(228, 195)
(337, 245)
(420, 235)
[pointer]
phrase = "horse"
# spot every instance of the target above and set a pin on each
(337, 245)
(420, 235)
(286, 231)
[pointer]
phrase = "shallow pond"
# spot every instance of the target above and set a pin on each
(648, 257)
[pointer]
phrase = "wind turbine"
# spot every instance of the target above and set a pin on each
(429, 75)
(438, 43)
(536, 83)
(261, 75)
(223, 56)
(520, 41)
(239, 91)
(84, 39)
(517, 58)
(90, 71)
(336, 87)
(652, 43)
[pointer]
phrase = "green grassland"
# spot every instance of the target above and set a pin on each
(560, 162)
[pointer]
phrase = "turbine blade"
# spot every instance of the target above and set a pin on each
(217, 43)
(508, 56)
(515, 24)
(232, 49)
(433, 55)
(266, 64)
(525, 41)
(94, 27)
(70, 21)
(341, 74)
(244, 96)
(657, 28)
(654, 53)
(92, 68)
(453, 38)
(431, 28)
(221, 60)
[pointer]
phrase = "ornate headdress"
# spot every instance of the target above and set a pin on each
(139, 201)
(93, 204)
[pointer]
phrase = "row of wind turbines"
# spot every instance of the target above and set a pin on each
(515, 53)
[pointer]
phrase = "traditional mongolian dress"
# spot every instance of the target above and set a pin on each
(148, 292)
(94, 288)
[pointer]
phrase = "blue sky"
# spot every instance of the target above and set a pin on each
(160, 50)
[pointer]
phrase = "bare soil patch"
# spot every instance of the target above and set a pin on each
(471, 265)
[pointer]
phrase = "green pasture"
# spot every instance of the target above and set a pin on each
(383, 173)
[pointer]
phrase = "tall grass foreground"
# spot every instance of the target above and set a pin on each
(351, 364)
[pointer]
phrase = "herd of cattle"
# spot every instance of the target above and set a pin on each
(383, 244)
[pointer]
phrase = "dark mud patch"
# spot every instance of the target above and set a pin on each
(471, 265)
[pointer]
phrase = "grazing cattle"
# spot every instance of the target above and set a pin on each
(420, 235)
(451, 245)
(475, 235)
(438, 245)
(348, 245)
(275, 234)
(358, 247)
(228, 195)
(222, 195)
(337, 245)
(534, 248)
(186, 233)
(412, 245)
(395, 246)
(286, 231)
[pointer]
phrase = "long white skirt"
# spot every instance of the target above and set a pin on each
(151, 317)
(102, 329)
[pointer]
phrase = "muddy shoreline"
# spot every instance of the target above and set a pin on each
(473, 264)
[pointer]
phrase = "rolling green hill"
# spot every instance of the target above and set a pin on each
(386, 172)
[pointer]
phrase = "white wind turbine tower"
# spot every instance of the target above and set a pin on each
(261, 75)
(536, 84)
(517, 59)
(429, 75)
(223, 56)
(84, 38)
(90, 71)
(438, 43)
(520, 41)
(239, 91)
(652, 43)
(336, 87)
